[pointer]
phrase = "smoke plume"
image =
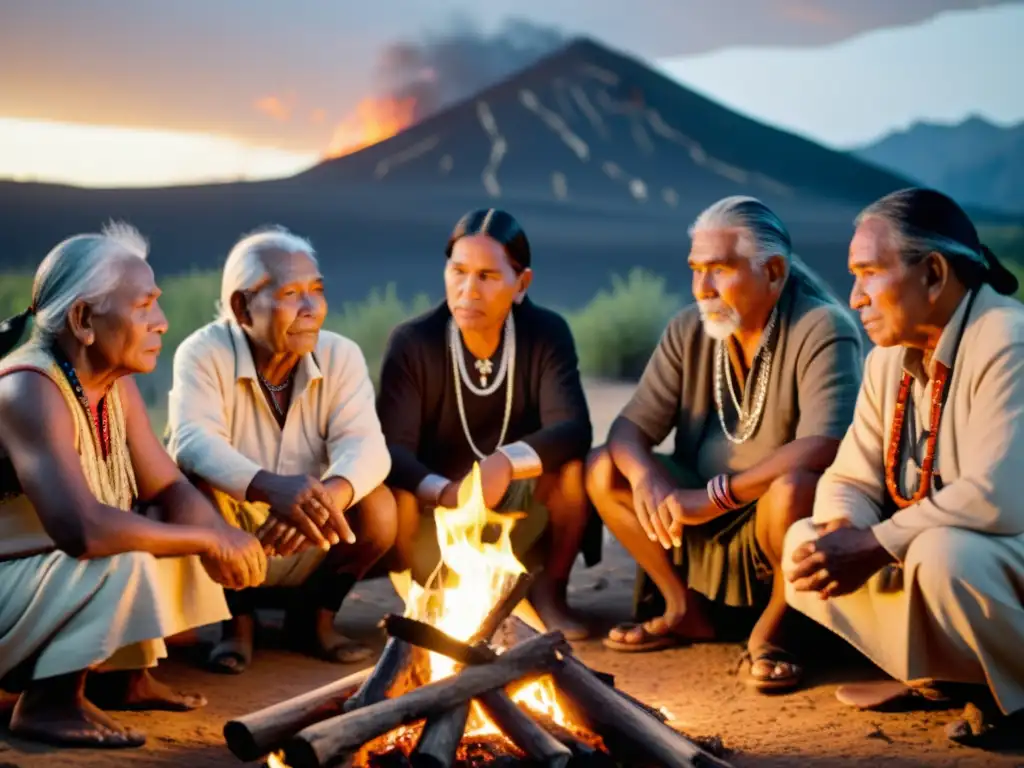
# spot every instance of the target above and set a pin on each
(444, 67)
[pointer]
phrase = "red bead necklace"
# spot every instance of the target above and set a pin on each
(896, 436)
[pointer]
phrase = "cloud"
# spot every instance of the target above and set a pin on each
(274, 107)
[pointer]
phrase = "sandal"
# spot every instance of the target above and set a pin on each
(784, 672)
(987, 730)
(650, 639)
(892, 696)
(230, 657)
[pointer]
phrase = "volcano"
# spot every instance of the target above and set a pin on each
(604, 160)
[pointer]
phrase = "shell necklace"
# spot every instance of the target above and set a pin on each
(748, 421)
(460, 375)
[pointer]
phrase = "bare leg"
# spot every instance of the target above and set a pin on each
(375, 523)
(788, 499)
(564, 495)
(612, 496)
(137, 689)
(55, 711)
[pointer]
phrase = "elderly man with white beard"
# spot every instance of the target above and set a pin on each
(758, 378)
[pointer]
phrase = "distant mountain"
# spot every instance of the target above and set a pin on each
(604, 160)
(975, 161)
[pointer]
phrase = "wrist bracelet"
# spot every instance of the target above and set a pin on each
(720, 494)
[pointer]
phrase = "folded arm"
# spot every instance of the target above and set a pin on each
(987, 495)
(39, 438)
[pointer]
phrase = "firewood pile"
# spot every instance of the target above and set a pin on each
(386, 716)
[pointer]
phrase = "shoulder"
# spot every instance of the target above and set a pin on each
(545, 323)
(212, 342)
(819, 321)
(683, 326)
(31, 399)
(999, 324)
(335, 351)
(422, 331)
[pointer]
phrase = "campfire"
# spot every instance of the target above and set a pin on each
(465, 681)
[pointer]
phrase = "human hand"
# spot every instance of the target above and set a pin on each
(234, 559)
(838, 563)
(685, 507)
(305, 503)
(649, 494)
(281, 538)
(833, 525)
(495, 478)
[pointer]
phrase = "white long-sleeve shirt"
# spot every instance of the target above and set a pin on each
(980, 453)
(222, 427)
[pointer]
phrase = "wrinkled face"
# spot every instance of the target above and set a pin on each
(286, 314)
(891, 297)
(127, 334)
(729, 286)
(480, 283)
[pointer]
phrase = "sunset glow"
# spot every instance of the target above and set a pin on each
(109, 156)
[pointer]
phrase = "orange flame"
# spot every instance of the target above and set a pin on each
(372, 121)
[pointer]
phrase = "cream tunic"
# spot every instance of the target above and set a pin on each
(223, 430)
(954, 610)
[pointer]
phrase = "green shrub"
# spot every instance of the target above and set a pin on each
(618, 330)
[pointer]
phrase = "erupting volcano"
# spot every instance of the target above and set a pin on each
(464, 682)
(373, 120)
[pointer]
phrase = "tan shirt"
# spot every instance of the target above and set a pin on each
(222, 427)
(980, 451)
(812, 385)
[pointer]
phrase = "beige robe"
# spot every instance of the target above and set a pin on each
(952, 609)
(72, 614)
(222, 428)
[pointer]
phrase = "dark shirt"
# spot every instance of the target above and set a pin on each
(419, 413)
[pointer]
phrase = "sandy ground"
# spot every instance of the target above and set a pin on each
(696, 685)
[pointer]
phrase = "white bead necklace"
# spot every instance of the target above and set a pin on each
(748, 421)
(460, 375)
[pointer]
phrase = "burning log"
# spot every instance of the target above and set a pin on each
(607, 709)
(539, 745)
(442, 734)
(395, 659)
(331, 740)
(253, 735)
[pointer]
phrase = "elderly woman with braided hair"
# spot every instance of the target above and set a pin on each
(86, 584)
(915, 551)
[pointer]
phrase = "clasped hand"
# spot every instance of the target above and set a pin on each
(839, 562)
(663, 510)
(234, 559)
(303, 514)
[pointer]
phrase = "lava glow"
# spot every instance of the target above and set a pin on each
(373, 120)
(476, 570)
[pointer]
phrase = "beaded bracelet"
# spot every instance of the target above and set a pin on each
(720, 493)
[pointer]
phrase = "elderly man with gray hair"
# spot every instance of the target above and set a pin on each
(758, 380)
(275, 418)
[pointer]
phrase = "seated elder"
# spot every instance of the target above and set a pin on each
(915, 553)
(86, 584)
(274, 418)
(490, 377)
(758, 379)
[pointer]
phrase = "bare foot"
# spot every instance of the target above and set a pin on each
(686, 624)
(68, 721)
(139, 690)
(549, 601)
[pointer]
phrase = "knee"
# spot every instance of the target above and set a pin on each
(940, 557)
(572, 485)
(379, 519)
(599, 472)
(790, 497)
(798, 534)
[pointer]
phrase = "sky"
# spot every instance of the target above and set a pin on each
(116, 92)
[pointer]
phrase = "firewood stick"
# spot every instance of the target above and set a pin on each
(439, 740)
(430, 638)
(608, 710)
(523, 631)
(329, 741)
(539, 745)
(394, 659)
(441, 734)
(255, 734)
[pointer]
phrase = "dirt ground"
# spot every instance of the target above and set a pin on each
(697, 685)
